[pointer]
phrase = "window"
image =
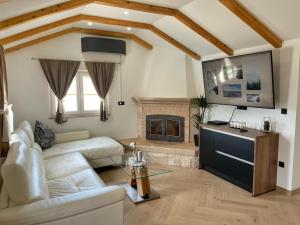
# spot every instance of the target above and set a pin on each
(91, 100)
(81, 99)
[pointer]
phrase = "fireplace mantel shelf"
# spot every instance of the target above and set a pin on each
(150, 100)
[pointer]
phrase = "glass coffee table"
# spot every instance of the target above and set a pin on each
(138, 186)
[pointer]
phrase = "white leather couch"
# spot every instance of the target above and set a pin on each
(57, 186)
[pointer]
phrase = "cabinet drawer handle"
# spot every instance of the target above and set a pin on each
(233, 157)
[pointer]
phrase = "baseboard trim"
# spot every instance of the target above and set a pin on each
(287, 192)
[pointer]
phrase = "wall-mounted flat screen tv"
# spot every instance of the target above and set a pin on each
(245, 80)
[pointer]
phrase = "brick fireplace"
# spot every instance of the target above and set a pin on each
(177, 107)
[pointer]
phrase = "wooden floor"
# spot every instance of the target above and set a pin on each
(196, 197)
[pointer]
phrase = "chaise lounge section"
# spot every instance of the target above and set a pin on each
(96, 150)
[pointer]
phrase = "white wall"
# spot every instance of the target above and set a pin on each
(286, 79)
(296, 158)
(159, 72)
(165, 75)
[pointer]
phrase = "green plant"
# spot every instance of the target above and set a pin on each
(198, 117)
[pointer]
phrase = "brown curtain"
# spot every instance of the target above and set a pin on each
(60, 74)
(3, 93)
(102, 75)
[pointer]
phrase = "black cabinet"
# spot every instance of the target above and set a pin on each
(232, 157)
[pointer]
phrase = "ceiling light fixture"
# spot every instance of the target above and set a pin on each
(126, 13)
(90, 23)
(128, 28)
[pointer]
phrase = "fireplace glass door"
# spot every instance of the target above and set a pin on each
(156, 127)
(165, 128)
(173, 128)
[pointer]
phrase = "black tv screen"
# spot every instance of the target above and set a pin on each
(245, 80)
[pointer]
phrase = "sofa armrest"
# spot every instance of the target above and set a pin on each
(62, 207)
(71, 136)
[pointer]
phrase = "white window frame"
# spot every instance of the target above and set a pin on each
(80, 99)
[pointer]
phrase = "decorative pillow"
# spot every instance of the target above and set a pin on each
(43, 135)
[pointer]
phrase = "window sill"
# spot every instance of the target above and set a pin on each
(79, 115)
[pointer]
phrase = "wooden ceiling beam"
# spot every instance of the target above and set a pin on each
(119, 22)
(174, 42)
(70, 20)
(249, 18)
(126, 23)
(27, 17)
(203, 32)
(138, 6)
(80, 30)
(102, 20)
(37, 41)
(116, 22)
(121, 4)
(40, 29)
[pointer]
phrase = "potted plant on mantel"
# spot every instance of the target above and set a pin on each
(198, 117)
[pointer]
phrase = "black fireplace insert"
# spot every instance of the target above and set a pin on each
(165, 128)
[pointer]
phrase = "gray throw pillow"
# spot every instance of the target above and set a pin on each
(43, 135)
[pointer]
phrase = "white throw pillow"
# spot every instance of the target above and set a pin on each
(23, 175)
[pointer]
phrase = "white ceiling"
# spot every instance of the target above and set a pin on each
(282, 16)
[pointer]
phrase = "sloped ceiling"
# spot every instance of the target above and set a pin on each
(281, 16)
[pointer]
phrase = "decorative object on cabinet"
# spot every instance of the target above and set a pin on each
(266, 125)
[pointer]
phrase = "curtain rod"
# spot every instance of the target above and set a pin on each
(83, 61)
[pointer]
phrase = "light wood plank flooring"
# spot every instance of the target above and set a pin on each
(196, 197)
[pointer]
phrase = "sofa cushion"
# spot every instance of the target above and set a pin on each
(71, 136)
(43, 135)
(81, 181)
(65, 165)
(25, 125)
(4, 198)
(94, 148)
(66, 209)
(37, 147)
(23, 174)
(20, 135)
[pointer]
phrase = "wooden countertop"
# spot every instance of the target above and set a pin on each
(250, 134)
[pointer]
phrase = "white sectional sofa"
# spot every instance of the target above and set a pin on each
(58, 186)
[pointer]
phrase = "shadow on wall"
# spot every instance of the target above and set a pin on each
(296, 163)
(282, 74)
(190, 78)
